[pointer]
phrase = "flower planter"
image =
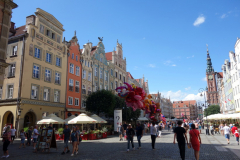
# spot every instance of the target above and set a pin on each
(104, 135)
(92, 136)
(57, 136)
(84, 136)
(99, 135)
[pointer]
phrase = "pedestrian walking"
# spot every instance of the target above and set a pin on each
(13, 134)
(195, 140)
(22, 136)
(211, 129)
(120, 131)
(75, 141)
(4, 128)
(169, 125)
(227, 132)
(67, 133)
(130, 134)
(29, 135)
(125, 128)
(6, 141)
(35, 137)
(139, 133)
(200, 128)
(180, 134)
(159, 130)
(234, 128)
(236, 133)
(153, 132)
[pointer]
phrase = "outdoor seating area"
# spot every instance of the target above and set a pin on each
(223, 118)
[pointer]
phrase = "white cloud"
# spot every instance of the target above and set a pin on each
(204, 79)
(169, 63)
(190, 57)
(196, 97)
(174, 65)
(223, 16)
(199, 20)
(152, 65)
(135, 68)
(188, 88)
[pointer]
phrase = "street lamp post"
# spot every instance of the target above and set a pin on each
(200, 91)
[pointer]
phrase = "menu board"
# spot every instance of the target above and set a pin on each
(46, 139)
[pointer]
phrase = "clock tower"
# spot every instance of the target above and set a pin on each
(212, 94)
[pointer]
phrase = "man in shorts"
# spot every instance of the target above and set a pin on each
(35, 136)
(13, 133)
(67, 133)
(227, 132)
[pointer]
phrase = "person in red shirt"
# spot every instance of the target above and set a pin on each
(234, 128)
(237, 136)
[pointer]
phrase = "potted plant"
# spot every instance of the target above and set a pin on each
(85, 136)
(99, 134)
(104, 130)
(60, 133)
(92, 135)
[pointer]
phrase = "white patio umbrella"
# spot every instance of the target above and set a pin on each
(52, 118)
(98, 119)
(82, 119)
(70, 118)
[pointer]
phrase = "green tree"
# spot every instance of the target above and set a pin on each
(213, 109)
(101, 101)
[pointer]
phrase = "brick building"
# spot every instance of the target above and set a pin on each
(186, 108)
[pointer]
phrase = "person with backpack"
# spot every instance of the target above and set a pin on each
(130, 134)
(6, 141)
(195, 140)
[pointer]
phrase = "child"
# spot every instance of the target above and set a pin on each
(237, 136)
(22, 136)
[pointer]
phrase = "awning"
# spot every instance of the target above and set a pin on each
(52, 118)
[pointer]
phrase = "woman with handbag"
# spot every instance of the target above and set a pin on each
(195, 140)
(6, 141)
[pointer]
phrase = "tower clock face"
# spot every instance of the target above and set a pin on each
(210, 77)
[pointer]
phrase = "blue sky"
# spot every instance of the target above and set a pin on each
(164, 40)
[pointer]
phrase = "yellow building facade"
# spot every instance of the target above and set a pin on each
(35, 81)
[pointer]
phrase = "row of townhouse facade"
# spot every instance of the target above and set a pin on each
(225, 85)
(46, 74)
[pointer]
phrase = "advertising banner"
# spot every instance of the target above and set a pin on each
(117, 118)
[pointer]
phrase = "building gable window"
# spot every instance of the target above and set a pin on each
(76, 101)
(123, 79)
(57, 78)
(89, 76)
(37, 53)
(76, 58)
(71, 69)
(72, 55)
(116, 74)
(96, 71)
(84, 74)
(48, 33)
(96, 86)
(111, 72)
(89, 90)
(70, 100)
(116, 84)
(41, 29)
(83, 89)
(120, 77)
(88, 64)
(71, 81)
(77, 71)
(77, 86)
(58, 61)
(101, 74)
(9, 91)
(46, 94)
(49, 58)
(48, 75)
(53, 36)
(14, 50)
(34, 92)
(85, 62)
(106, 77)
(11, 72)
(36, 71)
(58, 38)
(56, 96)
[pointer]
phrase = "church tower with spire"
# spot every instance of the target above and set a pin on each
(212, 94)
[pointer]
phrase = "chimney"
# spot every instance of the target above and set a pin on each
(12, 27)
(30, 20)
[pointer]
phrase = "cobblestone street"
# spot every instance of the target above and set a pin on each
(213, 147)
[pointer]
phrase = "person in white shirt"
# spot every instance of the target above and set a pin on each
(13, 133)
(226, 130)
(35, 136)
(153, 132)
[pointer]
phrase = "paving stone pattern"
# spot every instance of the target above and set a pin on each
(112, 148)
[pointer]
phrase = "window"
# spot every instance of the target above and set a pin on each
(83, 104)
(84, 74)
(106, 78)
(76, 101)
(48, 33)
(89, 76)
(100, 59)
(14, 51)
(71, 84)
(48, 57)
(10, 91)
(70, 100)
(111, 72)
(72, 55)
(120, 77)
(41, 29)
(85, 62)
(71, 69)
(53, 35)
(37, 53)
(77, 86)
(76, 58)
(11, 70)
(88, 64)
(56, 96)
(58, 38)
(123, 79)
(96, 86)
(116, 84)
(34, 92)
(96, 71)
(83, 89)
(116, 74)
(111, 85)
(101, 76)
(58, 61)
(46, 94)
(48, 75)
(77, 71)
(36, 71)
(57, 78)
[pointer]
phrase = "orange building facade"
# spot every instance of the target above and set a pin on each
(185, 109)
(74, 78)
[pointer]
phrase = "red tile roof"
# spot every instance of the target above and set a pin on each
(182, 103)
(129, 75)
(221, 74)
(19, 31)
(109, 55)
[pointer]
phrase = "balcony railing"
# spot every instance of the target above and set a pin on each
(48, 79)
(76, 89)
(11, 74)
(70, 88)
(83, 91)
